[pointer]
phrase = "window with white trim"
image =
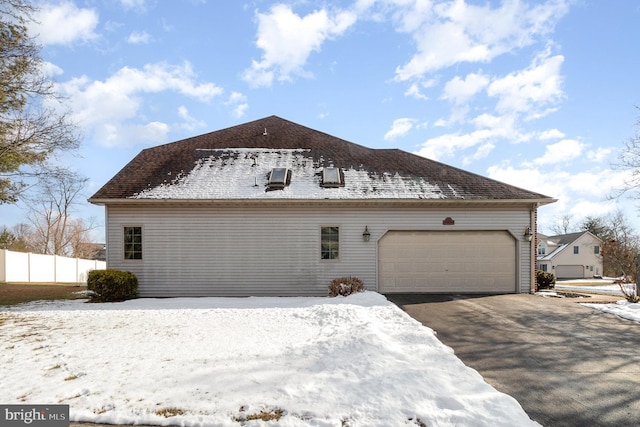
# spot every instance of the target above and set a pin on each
(330, 243)
(542, 249)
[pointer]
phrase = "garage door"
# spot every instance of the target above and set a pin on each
(447, 261)
(569, 272)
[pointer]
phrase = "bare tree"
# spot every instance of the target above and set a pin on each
(79, 238)
(620, 244)
(629, 160)
(54, 229)
(562, 224)
(32, 124)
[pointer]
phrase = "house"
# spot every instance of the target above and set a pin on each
(271, 207)
(570, 256)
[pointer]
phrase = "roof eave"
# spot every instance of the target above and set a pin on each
(363, 202)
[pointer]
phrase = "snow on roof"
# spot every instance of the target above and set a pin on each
(242, 173)
(553, 253)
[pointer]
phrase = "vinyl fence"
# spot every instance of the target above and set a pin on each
(21, 267)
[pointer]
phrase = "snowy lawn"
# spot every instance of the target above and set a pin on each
(354, 361)
(594, 287)
(621, 308)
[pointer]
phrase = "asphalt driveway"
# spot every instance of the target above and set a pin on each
(566, 364)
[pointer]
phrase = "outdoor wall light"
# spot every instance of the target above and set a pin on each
(528, 234)
(366, 235)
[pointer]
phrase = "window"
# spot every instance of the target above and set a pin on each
(576, 250)
(133, 243)
(542, 249)
(596, 250)
(330, 243)
(543, 267)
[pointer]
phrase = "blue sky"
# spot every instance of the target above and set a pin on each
(538, 94)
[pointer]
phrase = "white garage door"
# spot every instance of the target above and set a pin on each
(569, 272)
(447, 261)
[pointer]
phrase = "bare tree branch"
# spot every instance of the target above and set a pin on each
(33, 124)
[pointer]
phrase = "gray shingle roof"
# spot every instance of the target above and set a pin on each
(234, 163)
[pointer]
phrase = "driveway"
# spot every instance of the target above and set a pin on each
(566, 364)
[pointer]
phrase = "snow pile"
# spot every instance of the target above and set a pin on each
(345, 361)
(621, 308)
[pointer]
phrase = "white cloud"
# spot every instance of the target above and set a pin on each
(492, 121)
(482, 152)
(531, 178)
(459, 91)
(139, 38)
(134, 4)
(531, 90)
(238, 102)
(400, 127)
(189, 123)
(601, 183)
(584, 208)
(580, 194)
(451, 32)
(599, 154)
(50, 70)
(288, 39)
(415, 89)
(458, 115)
(115, 133)
(551, 134)
(415, 92)
(107, 107)
(489, 129)
(561, 152)
(446, 145)
(64, 23)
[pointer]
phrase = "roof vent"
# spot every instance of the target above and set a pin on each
(279, 178)
(332, 177)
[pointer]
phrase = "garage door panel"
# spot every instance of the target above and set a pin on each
(451, 261)
(570, 272)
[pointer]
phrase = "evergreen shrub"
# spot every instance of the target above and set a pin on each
(545, 280)
(112, 285)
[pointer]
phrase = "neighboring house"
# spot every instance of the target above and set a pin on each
(570, 256)
(271, 207)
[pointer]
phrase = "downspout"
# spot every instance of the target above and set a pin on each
(532, 247)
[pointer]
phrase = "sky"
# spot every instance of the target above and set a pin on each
(357, 361)
(538, 94)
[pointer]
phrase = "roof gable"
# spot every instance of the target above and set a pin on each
(234, 163)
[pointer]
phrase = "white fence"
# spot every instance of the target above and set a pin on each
(21, 267)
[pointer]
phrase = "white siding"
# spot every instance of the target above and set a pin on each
(584, 264)
(205, 251)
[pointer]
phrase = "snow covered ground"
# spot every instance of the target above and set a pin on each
(621, 308)
(596, 286)
(354, 361)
